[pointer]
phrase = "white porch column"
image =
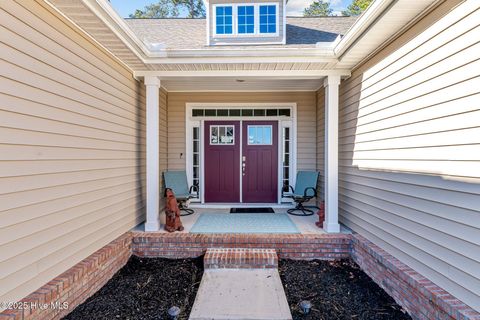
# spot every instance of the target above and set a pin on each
(331, 85)
(152, 85)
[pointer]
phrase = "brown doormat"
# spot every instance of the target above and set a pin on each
(251, 210)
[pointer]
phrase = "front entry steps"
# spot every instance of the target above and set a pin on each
(241, 284)
(240, 258)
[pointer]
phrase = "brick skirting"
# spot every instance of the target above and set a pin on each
(290, 246)
(75, 285)
(419, 296)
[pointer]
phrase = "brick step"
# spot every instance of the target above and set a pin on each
(242, 258)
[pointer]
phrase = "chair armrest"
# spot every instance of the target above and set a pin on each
(291, 189)
(314, 192)
(192, 188)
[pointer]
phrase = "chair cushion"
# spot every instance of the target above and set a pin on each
(177, 181)
(306, 179)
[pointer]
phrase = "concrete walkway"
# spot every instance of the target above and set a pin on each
(249, 294)
(241, 284)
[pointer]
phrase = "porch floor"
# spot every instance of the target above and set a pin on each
(305, 225)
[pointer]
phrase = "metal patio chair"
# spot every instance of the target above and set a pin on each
(177, 181)
(305, 190)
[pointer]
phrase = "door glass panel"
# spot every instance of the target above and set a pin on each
(267, 135)
(222, 135)
(259, 135)
(251, 134)
(230, 132)
(213, 135)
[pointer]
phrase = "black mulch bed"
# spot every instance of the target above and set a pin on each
(337, 290)
(145, 288)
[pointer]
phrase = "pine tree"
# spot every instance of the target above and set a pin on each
(318, 8)
(171, 8)
(356, 7)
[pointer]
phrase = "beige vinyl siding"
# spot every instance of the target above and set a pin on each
(410, 149)
(163, 138)
(72, 150)
(306, 114)
(321, 143)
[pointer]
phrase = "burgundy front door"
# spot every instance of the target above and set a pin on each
(222, 161)
(260, 161)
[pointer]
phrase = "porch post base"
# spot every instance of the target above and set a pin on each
(331, 227)
(152, 226)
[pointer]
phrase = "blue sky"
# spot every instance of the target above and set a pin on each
(294, 7)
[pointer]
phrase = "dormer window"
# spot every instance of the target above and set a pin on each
(224, 19)
(246, 20)
(268, 18)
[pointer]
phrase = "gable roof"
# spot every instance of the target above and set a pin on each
(178, 34)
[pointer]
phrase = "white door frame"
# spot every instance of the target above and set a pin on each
(291, 122)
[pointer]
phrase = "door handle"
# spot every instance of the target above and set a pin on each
(243, 166)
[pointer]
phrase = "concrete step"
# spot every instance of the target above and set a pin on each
(247, 258)
(247, 294)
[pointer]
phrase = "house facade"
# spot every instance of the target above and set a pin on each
(93, 108)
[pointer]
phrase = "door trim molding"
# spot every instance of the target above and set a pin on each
(283, 121)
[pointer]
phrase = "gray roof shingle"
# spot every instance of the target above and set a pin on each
(178, 33)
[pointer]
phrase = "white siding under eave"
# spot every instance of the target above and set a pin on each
(410, 149)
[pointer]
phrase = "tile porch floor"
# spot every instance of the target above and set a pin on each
(306, 225)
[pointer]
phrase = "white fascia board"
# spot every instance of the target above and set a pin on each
(367, 18)
(103, 10)
(258, 74)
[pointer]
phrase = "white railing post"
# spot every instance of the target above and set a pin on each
(331, 85)
(152, 85)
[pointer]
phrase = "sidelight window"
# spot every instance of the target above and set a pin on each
(286, 158)
(196, 156)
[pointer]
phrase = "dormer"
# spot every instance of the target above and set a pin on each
(245, 22)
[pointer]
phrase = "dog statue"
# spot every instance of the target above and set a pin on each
(172, 212)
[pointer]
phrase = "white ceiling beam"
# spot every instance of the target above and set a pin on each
(257, 74)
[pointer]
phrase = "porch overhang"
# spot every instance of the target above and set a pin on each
(257, 74)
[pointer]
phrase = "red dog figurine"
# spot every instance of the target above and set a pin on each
(172, 212)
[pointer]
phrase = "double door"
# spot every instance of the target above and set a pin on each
(241, 161)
